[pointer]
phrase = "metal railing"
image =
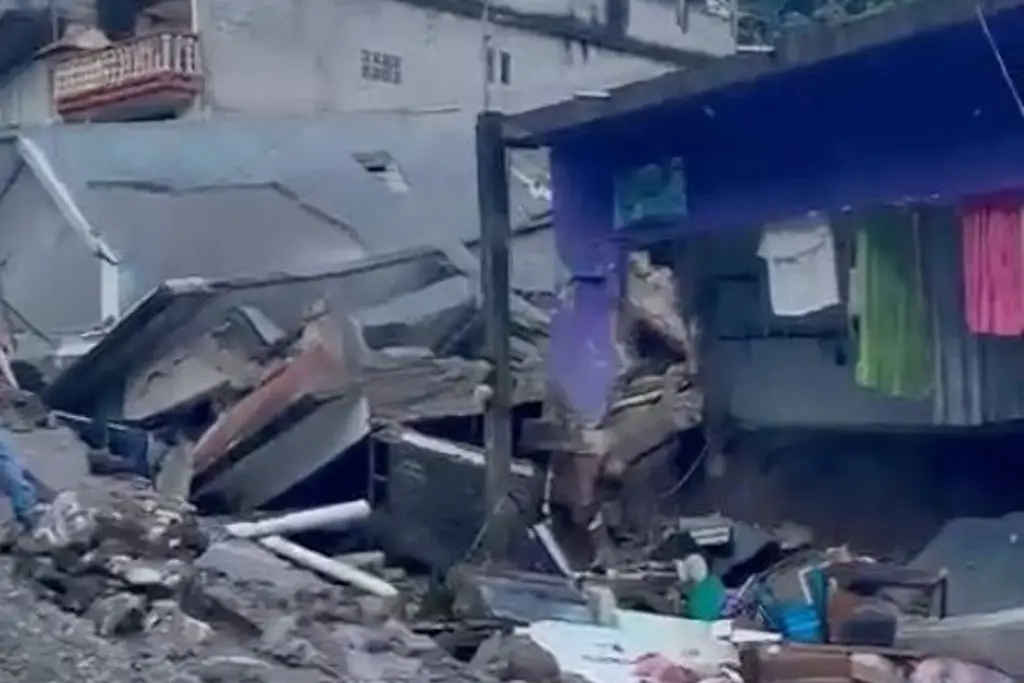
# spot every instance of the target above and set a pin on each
(128, 63)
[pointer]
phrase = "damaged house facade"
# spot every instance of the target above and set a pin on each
(101, 60)
(838, 266)
(268, 295)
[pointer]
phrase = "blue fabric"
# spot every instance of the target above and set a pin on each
(15, 482)
(129, 443)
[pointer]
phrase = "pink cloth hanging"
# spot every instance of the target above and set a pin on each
(993, 252)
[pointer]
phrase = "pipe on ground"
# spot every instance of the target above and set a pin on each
(339, 571)
(329, 516)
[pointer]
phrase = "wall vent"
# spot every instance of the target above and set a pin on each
(384, 168)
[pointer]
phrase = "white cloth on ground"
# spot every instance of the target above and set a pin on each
(800, 256)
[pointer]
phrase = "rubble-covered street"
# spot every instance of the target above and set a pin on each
(709, 378)
(240, 483)
(119, 582)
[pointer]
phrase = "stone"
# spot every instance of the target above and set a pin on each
(181, 633)
(516, 657)
(158, 579)
(233, 669)
(375, 610)
(118, 614)
(81, 592)
(222, 604)
(281, 642)
(65, 522)
(408, 644)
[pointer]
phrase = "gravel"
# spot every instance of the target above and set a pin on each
(39, 642)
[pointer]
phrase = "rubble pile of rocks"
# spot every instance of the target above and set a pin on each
(118, 554)
(140, 571)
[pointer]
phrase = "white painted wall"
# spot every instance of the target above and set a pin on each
(269, 57)
(265, 56)
(25, 98)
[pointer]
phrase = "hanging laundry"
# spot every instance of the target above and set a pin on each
(895, 350)
(801, 259)
(993, 249)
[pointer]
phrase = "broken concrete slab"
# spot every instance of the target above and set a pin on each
(186, 375)
(243, 562)
(425, 318)
(408, 389)
(515, 657)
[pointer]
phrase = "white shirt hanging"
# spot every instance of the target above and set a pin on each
(801, 259)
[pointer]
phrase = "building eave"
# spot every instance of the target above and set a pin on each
(800, 49)
(570, 28)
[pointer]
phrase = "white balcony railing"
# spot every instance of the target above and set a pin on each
(130, 63)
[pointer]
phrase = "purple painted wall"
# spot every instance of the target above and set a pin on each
(583, 360)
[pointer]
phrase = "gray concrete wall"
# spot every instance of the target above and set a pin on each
(48, 274)
(268, 57)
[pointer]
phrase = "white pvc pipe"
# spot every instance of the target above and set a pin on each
(322, 564)
(333, 516)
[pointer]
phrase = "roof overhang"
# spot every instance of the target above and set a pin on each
(801, 50)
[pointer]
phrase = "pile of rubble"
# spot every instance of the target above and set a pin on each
(173, 588)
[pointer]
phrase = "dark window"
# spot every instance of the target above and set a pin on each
(380, 66)
(506, 68)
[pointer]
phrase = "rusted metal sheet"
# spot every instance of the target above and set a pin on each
(307, 375)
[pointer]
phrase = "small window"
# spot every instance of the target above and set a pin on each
(506, 68)
(380, 66)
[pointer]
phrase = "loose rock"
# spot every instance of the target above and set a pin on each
(118, 614)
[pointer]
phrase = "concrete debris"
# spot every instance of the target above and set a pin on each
(516, 658)
(606, 470)
(142, 571)
(303, 387)
(355, 396)
(118, 615)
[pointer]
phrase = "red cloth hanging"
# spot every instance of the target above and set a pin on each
(993, 252)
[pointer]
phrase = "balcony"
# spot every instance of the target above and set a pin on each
(154, 76)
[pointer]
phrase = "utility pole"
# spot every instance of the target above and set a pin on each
(495, 232)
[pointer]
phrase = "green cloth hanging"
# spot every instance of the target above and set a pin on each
(895, 355)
